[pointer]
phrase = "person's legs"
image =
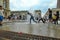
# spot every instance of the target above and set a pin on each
(30, 20)
(34, 20)
(54, 21)
(57, 21)
(42, 20)
(49, 20)
(0, 22)
(39, 20)
(1, 19)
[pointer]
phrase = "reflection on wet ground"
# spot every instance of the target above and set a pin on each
(46, 29)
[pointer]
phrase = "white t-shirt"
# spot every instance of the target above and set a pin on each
(1, 12)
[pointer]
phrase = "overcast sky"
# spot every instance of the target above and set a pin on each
(42, 5)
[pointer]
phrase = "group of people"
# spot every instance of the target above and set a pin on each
(33, 18)
(53, 17)
(13, 17)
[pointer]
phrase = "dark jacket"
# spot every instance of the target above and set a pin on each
(50, 14)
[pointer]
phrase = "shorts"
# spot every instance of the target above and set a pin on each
(1, 18)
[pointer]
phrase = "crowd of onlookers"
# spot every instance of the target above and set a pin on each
(14, 17)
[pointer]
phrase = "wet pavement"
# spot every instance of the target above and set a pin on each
(42, 29)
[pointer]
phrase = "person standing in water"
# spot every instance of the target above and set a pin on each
(32, 17)
(50, 15)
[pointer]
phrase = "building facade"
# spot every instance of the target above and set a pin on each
(4, 4)
(22, 14)
(1, 2)
(58, 3)
(37, 14)
(6, 8)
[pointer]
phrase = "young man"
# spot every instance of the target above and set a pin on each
(1, 15)
(50, 15)
(32, 17)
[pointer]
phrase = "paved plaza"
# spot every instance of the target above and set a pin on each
(47, 29)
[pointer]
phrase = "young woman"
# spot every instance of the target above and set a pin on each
(1, 16)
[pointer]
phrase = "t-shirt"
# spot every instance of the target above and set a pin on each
(53, 16)
(50, 15)
(1, 12)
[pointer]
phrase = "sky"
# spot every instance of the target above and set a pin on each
(42, 5)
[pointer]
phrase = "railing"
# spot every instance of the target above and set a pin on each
(23, 36)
